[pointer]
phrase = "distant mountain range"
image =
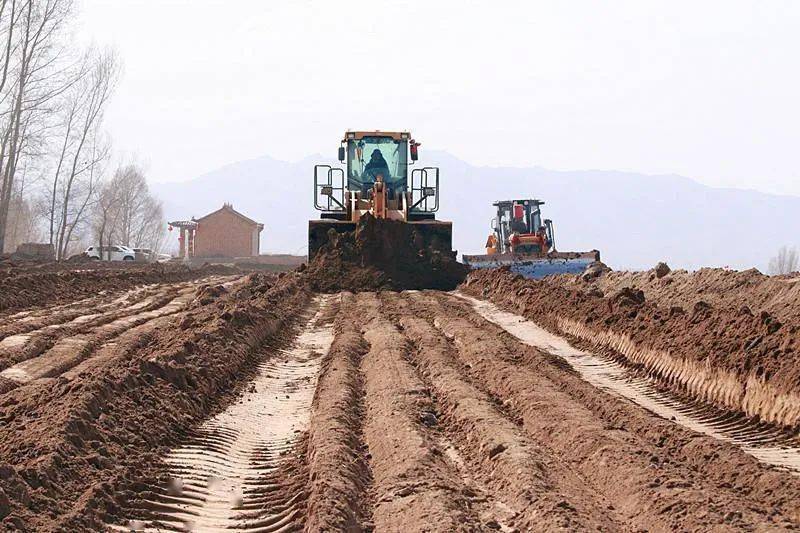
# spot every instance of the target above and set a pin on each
(635, 220)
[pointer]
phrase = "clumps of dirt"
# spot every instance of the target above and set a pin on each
(661, 270)
(383, 254)
(28, 287)
(628, 297)
(206, 294)
(594, 271)
(697, 343)
(778, 295)
(74, 451)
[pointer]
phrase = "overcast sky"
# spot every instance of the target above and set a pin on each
(707, 89)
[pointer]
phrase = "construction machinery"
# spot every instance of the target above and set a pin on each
(524, 242)
(376, 180)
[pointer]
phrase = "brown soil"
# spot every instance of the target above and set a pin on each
(383, 254)
(57, 283)
(339, 473)
(777, 295)
(76, 447)
(425, 416)
(726, 353)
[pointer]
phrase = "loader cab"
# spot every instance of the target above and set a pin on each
(369, 157)
(377, 179)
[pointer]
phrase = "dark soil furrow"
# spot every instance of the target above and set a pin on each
(543, 493)
(339, 475)
(413, 484)
(646, 485)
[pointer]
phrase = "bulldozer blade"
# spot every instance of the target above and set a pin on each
(536, 266)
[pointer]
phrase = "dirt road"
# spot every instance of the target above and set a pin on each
(253, 404)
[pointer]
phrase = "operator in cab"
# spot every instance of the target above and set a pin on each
(377, 166)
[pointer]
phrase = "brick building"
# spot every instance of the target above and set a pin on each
(226, 233)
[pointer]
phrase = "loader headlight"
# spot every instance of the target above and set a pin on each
(327, 190)
(351, 135)
(429, 191)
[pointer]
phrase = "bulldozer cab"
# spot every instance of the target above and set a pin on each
(523, 217)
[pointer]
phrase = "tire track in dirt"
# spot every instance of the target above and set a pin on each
(649, 484)
(525, 485)
(765, 442)
(34, 337)
(223, 476)
(95, 335)
(76, 333)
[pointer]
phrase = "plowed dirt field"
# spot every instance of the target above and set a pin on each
(222, 401)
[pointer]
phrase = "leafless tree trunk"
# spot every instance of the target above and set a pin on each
(93, 95)
(786, 262)
(29, 79)
(106, 215)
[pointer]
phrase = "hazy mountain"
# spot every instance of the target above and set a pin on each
(635, 220)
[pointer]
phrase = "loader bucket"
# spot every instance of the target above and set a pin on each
(536, 266)
(318, 233)
(431, 234)
(382, 253)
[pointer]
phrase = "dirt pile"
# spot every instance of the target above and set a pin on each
(777, 295)
(383, 255)
(76, 447)
(704, 342)
(24, 287)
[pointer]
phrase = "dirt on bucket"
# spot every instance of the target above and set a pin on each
(383, 254)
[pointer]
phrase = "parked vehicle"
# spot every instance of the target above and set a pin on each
(111, 253)
(144, 255)
(163, 258)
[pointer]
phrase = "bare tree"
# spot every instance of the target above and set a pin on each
(786, 262)
(31, 78)
(92, 95)
(23, 217)
(69, 112)
(52, 146)
(127, 213)
(134, 194)
(106, 215)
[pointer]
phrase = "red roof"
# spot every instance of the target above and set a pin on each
(229, 208)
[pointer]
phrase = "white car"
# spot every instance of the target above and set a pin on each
(113, 253)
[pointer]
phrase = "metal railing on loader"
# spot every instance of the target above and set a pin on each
(425, 189)
(328, 188)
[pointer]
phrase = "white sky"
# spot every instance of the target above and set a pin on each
(707, 89)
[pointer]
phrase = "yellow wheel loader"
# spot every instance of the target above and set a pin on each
(376, 181)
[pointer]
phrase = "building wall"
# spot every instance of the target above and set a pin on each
(255, 245)
(224, 234)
